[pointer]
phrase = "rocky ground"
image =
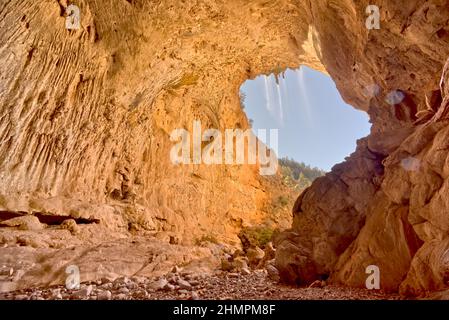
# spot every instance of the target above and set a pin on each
(183, 286)
(143, 268)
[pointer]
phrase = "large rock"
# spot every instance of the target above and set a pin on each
(121, 258)
(86, 115)
(387, 205)
(405, 220)
(255, 256)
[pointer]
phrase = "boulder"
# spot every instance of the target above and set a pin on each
(27, 222)
(255, 255)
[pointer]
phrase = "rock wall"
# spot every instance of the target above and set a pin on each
(86, 117)
(387, 204)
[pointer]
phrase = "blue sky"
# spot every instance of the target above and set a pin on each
(315, 125)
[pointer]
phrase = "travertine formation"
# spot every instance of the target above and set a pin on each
(387, 204)
(86, 117)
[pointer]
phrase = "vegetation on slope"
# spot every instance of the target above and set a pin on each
(298, 175)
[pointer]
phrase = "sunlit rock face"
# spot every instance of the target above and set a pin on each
(86, 117)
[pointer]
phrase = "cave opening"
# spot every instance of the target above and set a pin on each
(317, 129)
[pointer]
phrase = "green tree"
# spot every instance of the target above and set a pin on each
(303, 182)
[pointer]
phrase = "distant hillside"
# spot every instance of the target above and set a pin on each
(299, 175)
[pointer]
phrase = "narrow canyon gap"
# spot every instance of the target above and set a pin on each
(86, 116)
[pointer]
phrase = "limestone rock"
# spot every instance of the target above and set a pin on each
(269, 255)
(104, 295)
(183, 284)
(255, 255)
(86, 132)
(83, 293)
(245, 271)
(405, 221)
(25, 223)
(273, 272)
(169, 287)
(429, 271)
(318, 284)
(226, 265)
(159, 284)
(123, 290)
(240, 263)
(194, 296)
(176, 269)
(70, 225)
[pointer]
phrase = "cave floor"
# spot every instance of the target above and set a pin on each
(217, 286)
(118, 266)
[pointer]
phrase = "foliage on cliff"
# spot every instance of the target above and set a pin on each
(298, 175)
